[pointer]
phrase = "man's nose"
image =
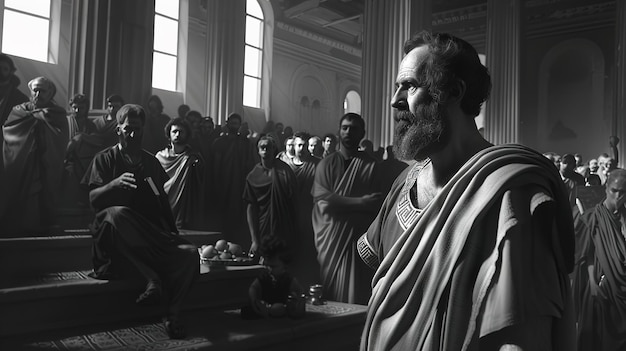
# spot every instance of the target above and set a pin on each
(398, 99)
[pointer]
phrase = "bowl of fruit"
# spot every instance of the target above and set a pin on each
(224, 253)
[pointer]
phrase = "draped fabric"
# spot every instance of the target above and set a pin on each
(273, 191)
(33, 149)
(232, 160)
(305, 266)
(186, 186)
(461, 258)
(344, 275)
(601, 317)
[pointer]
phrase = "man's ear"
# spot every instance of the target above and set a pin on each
(118, 130)
(456, 94)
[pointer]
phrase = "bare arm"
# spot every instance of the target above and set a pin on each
(100, 197)
(252, 213)
(365, 203)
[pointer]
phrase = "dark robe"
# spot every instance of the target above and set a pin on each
(232, 160)
(185, 186)
(601, 318)
(137, 225)
(154, 138)
(33, 148)
(344, 275)
(305, 266)
(274, 191)
(10, 96)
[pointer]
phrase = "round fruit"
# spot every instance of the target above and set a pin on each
(235, 249)
(209, 251)
(221, 245)
(226, 255)
(278, 309)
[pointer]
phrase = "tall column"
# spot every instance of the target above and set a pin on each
(503, 49)
(226, 25)
(111, 50)
(618, 127)
(387, 25)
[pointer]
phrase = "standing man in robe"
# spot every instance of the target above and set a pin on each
(185, 168)
(474, 243)
(106, 124)
(35, 138)
(134, 220)
(600, 276)
(10, 95)
(346, 195)
(270, 197)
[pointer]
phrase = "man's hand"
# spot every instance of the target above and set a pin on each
(254, 248)
(372, 199)
(125, 181)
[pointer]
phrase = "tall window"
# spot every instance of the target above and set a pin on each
(352, 102)
(253, 60)
(165, 53)
(26, 28)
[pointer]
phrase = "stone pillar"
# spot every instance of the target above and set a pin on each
(618, 127)
(226, 25)
(503, 50)
(387, 25)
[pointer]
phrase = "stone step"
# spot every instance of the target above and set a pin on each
(75, 300)
(22, 258)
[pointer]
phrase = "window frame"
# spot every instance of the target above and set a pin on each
(176, 57)
(261, 59)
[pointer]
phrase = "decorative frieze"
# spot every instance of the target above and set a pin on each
(319, 39)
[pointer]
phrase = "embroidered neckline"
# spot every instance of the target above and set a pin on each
(406, 213)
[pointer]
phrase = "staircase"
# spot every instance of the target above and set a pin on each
(44, 286)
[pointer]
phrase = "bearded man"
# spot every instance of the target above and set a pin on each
(346, 196)
(35, 138)
(473, 245)
(185, 168)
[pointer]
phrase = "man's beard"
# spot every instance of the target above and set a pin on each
(417, 137)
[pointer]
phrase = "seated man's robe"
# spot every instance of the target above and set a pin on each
(305, 266)
(273, 191)
(344, 275)
(185, 187)
(493, 249)
(137, 226)
(33, 149)
(601, 317)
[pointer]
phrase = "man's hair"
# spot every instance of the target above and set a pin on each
(568, 158)
(616, 174)
(451, 59)
(79, 99)
(6, 58)
(115, 98)
(272, 246)
(316, 137)
(46, 81)
(302, 135)
(234, 115)
(130, 111)
(269, 138)
(351, 116)
(179, 122)
(158, 101)
(332, 136)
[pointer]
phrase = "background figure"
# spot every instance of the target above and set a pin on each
(185, 187)
(346, 195)
(183, 110)
(570, 177)
(154, 139)
(35, 138)
(330, 144)
(599, 276)
(232, 161)
(315, 147)
(392, 168)
(270, 193)
(10, 95)
(288, 153)
(106, 124)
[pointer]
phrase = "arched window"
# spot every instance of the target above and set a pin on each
(165, 52)
(253, 60)
(352, 102)
(28, 28)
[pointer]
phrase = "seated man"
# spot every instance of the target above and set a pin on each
(134, 221)
(185, 168)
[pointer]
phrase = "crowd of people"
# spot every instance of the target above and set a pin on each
(466, 246)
